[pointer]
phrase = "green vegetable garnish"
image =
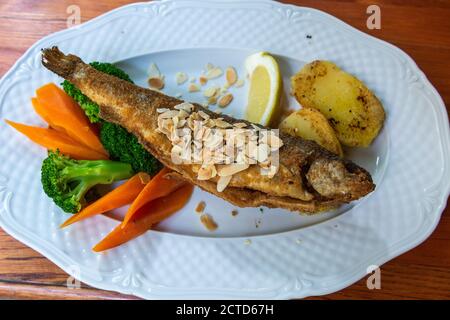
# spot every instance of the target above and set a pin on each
(68, 181)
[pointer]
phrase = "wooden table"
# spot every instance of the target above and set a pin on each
(421, 28)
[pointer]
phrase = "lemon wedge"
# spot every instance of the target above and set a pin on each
(265, 88)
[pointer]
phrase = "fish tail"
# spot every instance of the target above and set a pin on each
(61, 64)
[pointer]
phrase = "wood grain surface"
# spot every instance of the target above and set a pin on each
(421, 28)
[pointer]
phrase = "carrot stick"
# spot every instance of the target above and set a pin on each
(158, 187)
(54, 140)
(43, 113)
(152, 213)
(62, 111)
(119, 197)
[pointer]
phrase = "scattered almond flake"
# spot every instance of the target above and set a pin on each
(193, 88)
(214, 73)
(204, 115)
(205, 104)
(210, 92)
(203, 80)
(161, 110)
(225, 100)
(185, 106)
(275, 142)
(239, 83)
(206, 172)
(231, 76)
(153, 71)
(222, 183)
(240, 125)
(156, 90)
(168, 114)
(230, 169)
(221, 124)
(208, 222)
(234, 213)
(155, 83)
(212, 100)
(263, 152)
(218, 111)
(181, 77)
(224, 89)
(248, 242)
(200, 207)
(209, 66)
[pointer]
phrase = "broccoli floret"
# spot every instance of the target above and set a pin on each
(90, 108)
(68, 181)
(124, 146)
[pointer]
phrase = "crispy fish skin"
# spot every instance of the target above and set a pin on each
(310, 178)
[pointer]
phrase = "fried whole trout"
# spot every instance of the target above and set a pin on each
(309, 179)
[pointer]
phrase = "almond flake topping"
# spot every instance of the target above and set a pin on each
(231, 76)
(225, 100)
(239, 83)
(220, 149)
(214, 73)
(193, 88)
(181, 77)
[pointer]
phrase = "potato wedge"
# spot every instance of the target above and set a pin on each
(353, 111)
(310, 124)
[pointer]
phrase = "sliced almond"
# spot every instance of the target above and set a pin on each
(200, 207)
(214, 73)
(186, 106)
(220, 123)
(231, 76)
(203, 80)
(169, 114)
(275, 142)
(208, 222)
(225, 100)
(181, 77)
(210, 92)
(155, 83)
(193, 88)
(204, 115)
(206, 172)
(230, 169)
(222, 183)
(263, 152)
(240, 125)
(162, 110)
(239, 83)
(153, 71)
(212, 100)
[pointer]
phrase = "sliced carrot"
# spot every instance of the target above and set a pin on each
(149, 215)
(55, 140)
(62, 111)
(117, 198)
(158, 187)
(43, 113)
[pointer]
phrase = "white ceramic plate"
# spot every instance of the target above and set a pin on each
(268, 254)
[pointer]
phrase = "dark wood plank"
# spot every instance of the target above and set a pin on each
(421, 28)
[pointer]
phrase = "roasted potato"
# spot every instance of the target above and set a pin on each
(353, 111)
(310, 124)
